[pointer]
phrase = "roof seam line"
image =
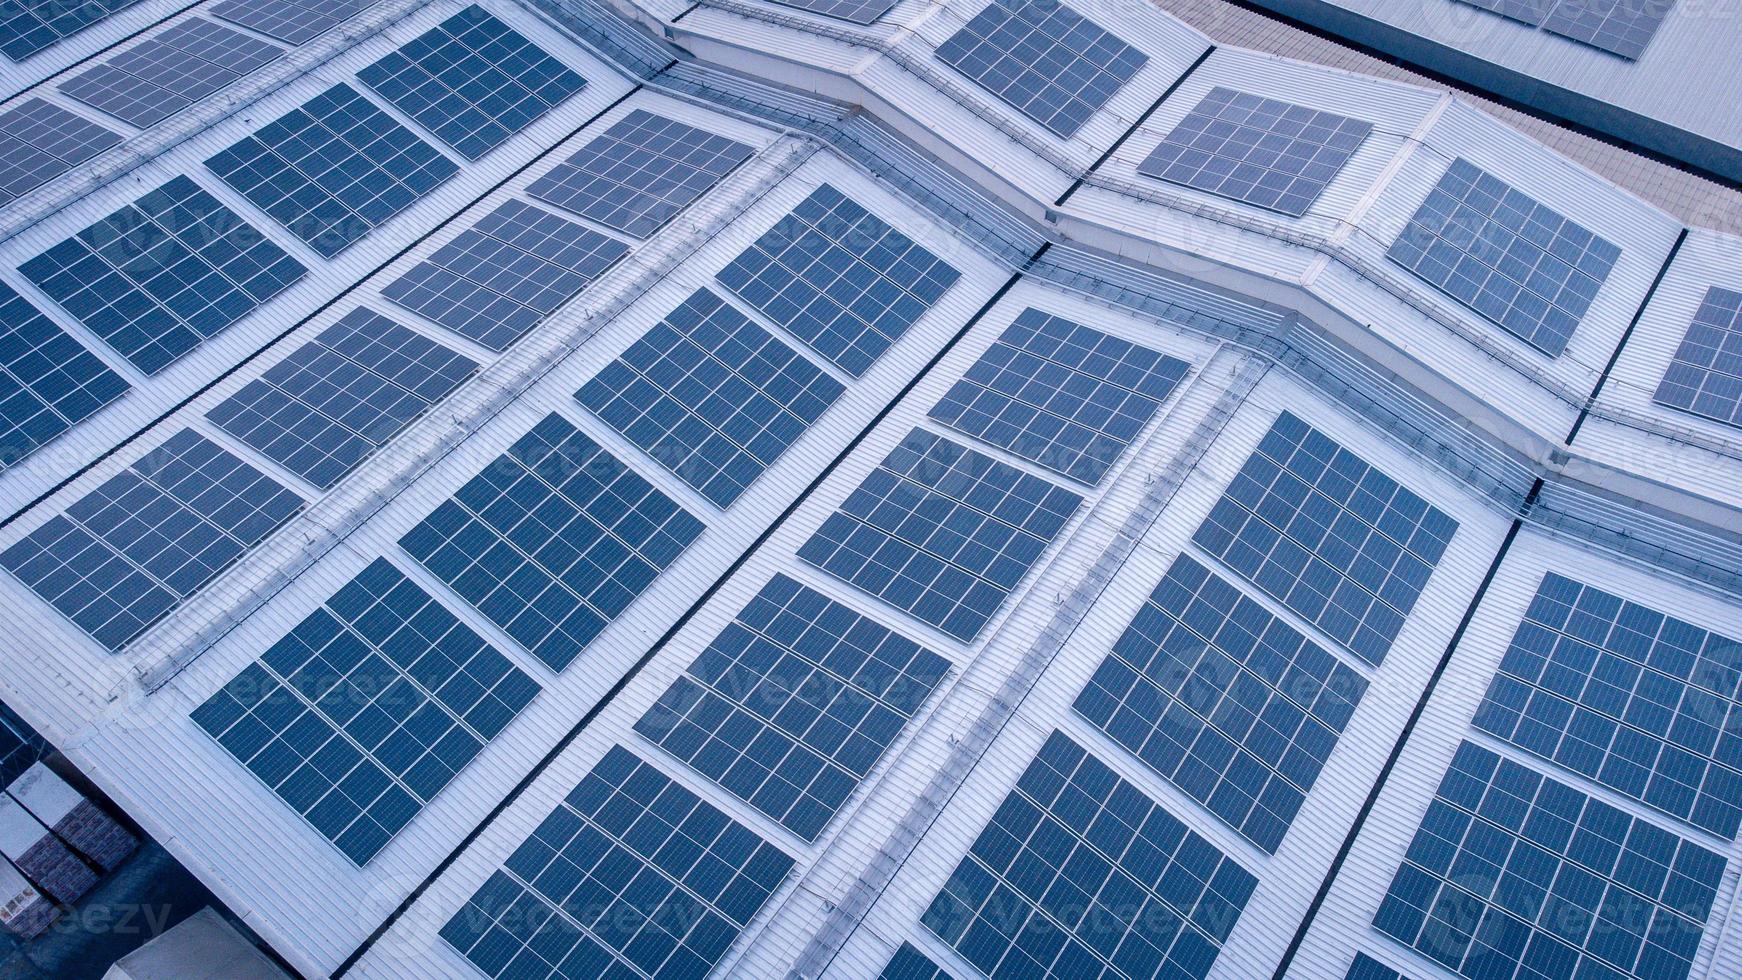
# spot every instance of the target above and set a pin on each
(1116, 144)
(1626, 335)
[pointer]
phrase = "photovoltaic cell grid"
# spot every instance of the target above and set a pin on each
(631, 875)
(164, 274)
(858, 11)
(1328, 536)
(1642, 703)
(1079, 875)
(1367, 968)
(1224, 700)
(711, 396)
(500, 277)
(1705, 376)
(941, 532)
(472, 81)
(1529, 12)
(1264, 152)
(165, 74)
(840, 279)
(1623, 27)
(639, 173)
(1514, 875)
(332, 170)
(40, 141)
(367, 708)
(1060, 394)
(793, 703)
(49, 382)
(127, 552)
(290, 21)
(1514, 261)
(909, 963)
(553, 540)
(1044, 60)
(29, 26)
(341, 396)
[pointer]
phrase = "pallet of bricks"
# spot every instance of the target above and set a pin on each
(73, 819)
(24, 911)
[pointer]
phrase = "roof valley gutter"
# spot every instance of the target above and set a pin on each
(1626, 335)
(1104, 157)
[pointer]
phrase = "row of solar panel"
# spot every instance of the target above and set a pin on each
(1623, 27)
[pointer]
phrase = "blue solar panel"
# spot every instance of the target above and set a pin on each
(1328, 536)
(630, 876)
(29, 26)
(1044, 60)
(1705, 376)
(123, 555)
(909, 963)
(1638, 701)
(500, 277)
(1623, 27)
(1080, 874)
(839, 279)
(793, 703)
(860, 12)
(1226, 701)
(321, 410)
(711, 396)
(1514, 875)
(1525, 11)
(553, 540)
(168, 72)
(367, 708)
(1060, 394)
(49, 382)
(333, 170)
(290, 21)
(941, 532)
(1367, 968)
(472, 81)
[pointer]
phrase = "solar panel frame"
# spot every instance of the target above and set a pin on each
(27, 31)
(39, 141)
(909, 963)
(1366, 967)
(49, 382)
(165, 73)
(1621, 27)
(1704, 376)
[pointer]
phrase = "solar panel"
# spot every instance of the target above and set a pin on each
(711, 396)
(941, 532)
(126, 553)
(1079, 874)
(1044, 60)
(631, 875)
(1623, 27)
(472, 81)
(1224, 700)
(858, 11)
(367, 709)
(29, 26)
(909, 963)
(1328, 536)
(1514, 875)
(793, 703)
(1261, 151)
(164, 274)
(290, 21)
(40, 141)
(839, 278)
(639, 173)
(1060, 394)
(161, 75)
(503, 275)
(1705, 376)
(1642, 703)
(553, 540)
(1367, 968)
(333, 170)
(1530, 12)
(320, 411)
(49, 382)
(1505, 256)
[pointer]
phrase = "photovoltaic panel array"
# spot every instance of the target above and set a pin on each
(631, 875)
(858, 11)
(941, 532)
(341, 396)
(472, 81)
(1512, 875)
(711, 396)
(1328, 536)
(1367, 968)
(1514, 261)
(840, 279)
(639, 173)
(129, 551)
(49, 382)
(333, 170)
(1060, 394)
(1705, 376)
(1640, 702)
(500, 277)
(367, 709)
(29, 26)
(1223, 699)
(792, 704)
(1079, 874)
(1044, 60)
(164, 274)
(164, 74)
(1264, 152)
(40, 141)
(1529, 12)
(553, 540)
(1623, 27)
(290, 21)
(909, 963)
